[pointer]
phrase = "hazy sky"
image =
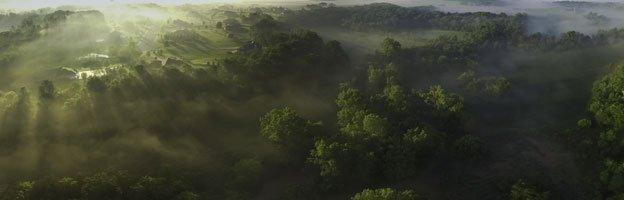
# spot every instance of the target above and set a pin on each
(33, 4)
(30, 4)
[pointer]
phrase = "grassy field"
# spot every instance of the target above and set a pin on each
(207, 45)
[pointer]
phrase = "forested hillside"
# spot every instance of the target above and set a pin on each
(375, 101)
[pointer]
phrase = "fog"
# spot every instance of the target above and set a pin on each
(548, 16)
(108, 112)
(78, 37)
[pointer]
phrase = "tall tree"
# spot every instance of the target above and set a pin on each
(288, 131)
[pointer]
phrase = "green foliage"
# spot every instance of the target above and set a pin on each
(105, 185)
(406, 155)
(245, 179)
(355, 120)
(378, 132)
(386, 16)
(597, 19)
(418, 138)
(469, 80)
(386, 194)
(263, 31)
(469, 147)
(297, 192)
(141, 117)
(24, 189)
(349, 97)
(96, 85)
(341, 163)
(497, 86)
(523, 191)
(46, 90)
(442, 101)
(389, 47)
(573, 39)
(65, 188)
(607, 102)
(447, 49)
(327, 156)
(608, 142)
(396, 97)
(15, 120)
(584, 123)
(255, 17)
(374, 126)
(608, 36)
(492, 86)
(200, 118)
(187, 196)
(613, 176)
(376, 77)
(352, 110)
(298, 58)
(289, 132)
(128, 53)
(384, 78)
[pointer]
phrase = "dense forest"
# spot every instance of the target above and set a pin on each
(313, 101)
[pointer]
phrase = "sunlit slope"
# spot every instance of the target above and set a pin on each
(59, 39)
(201, 45)
(58, 45)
